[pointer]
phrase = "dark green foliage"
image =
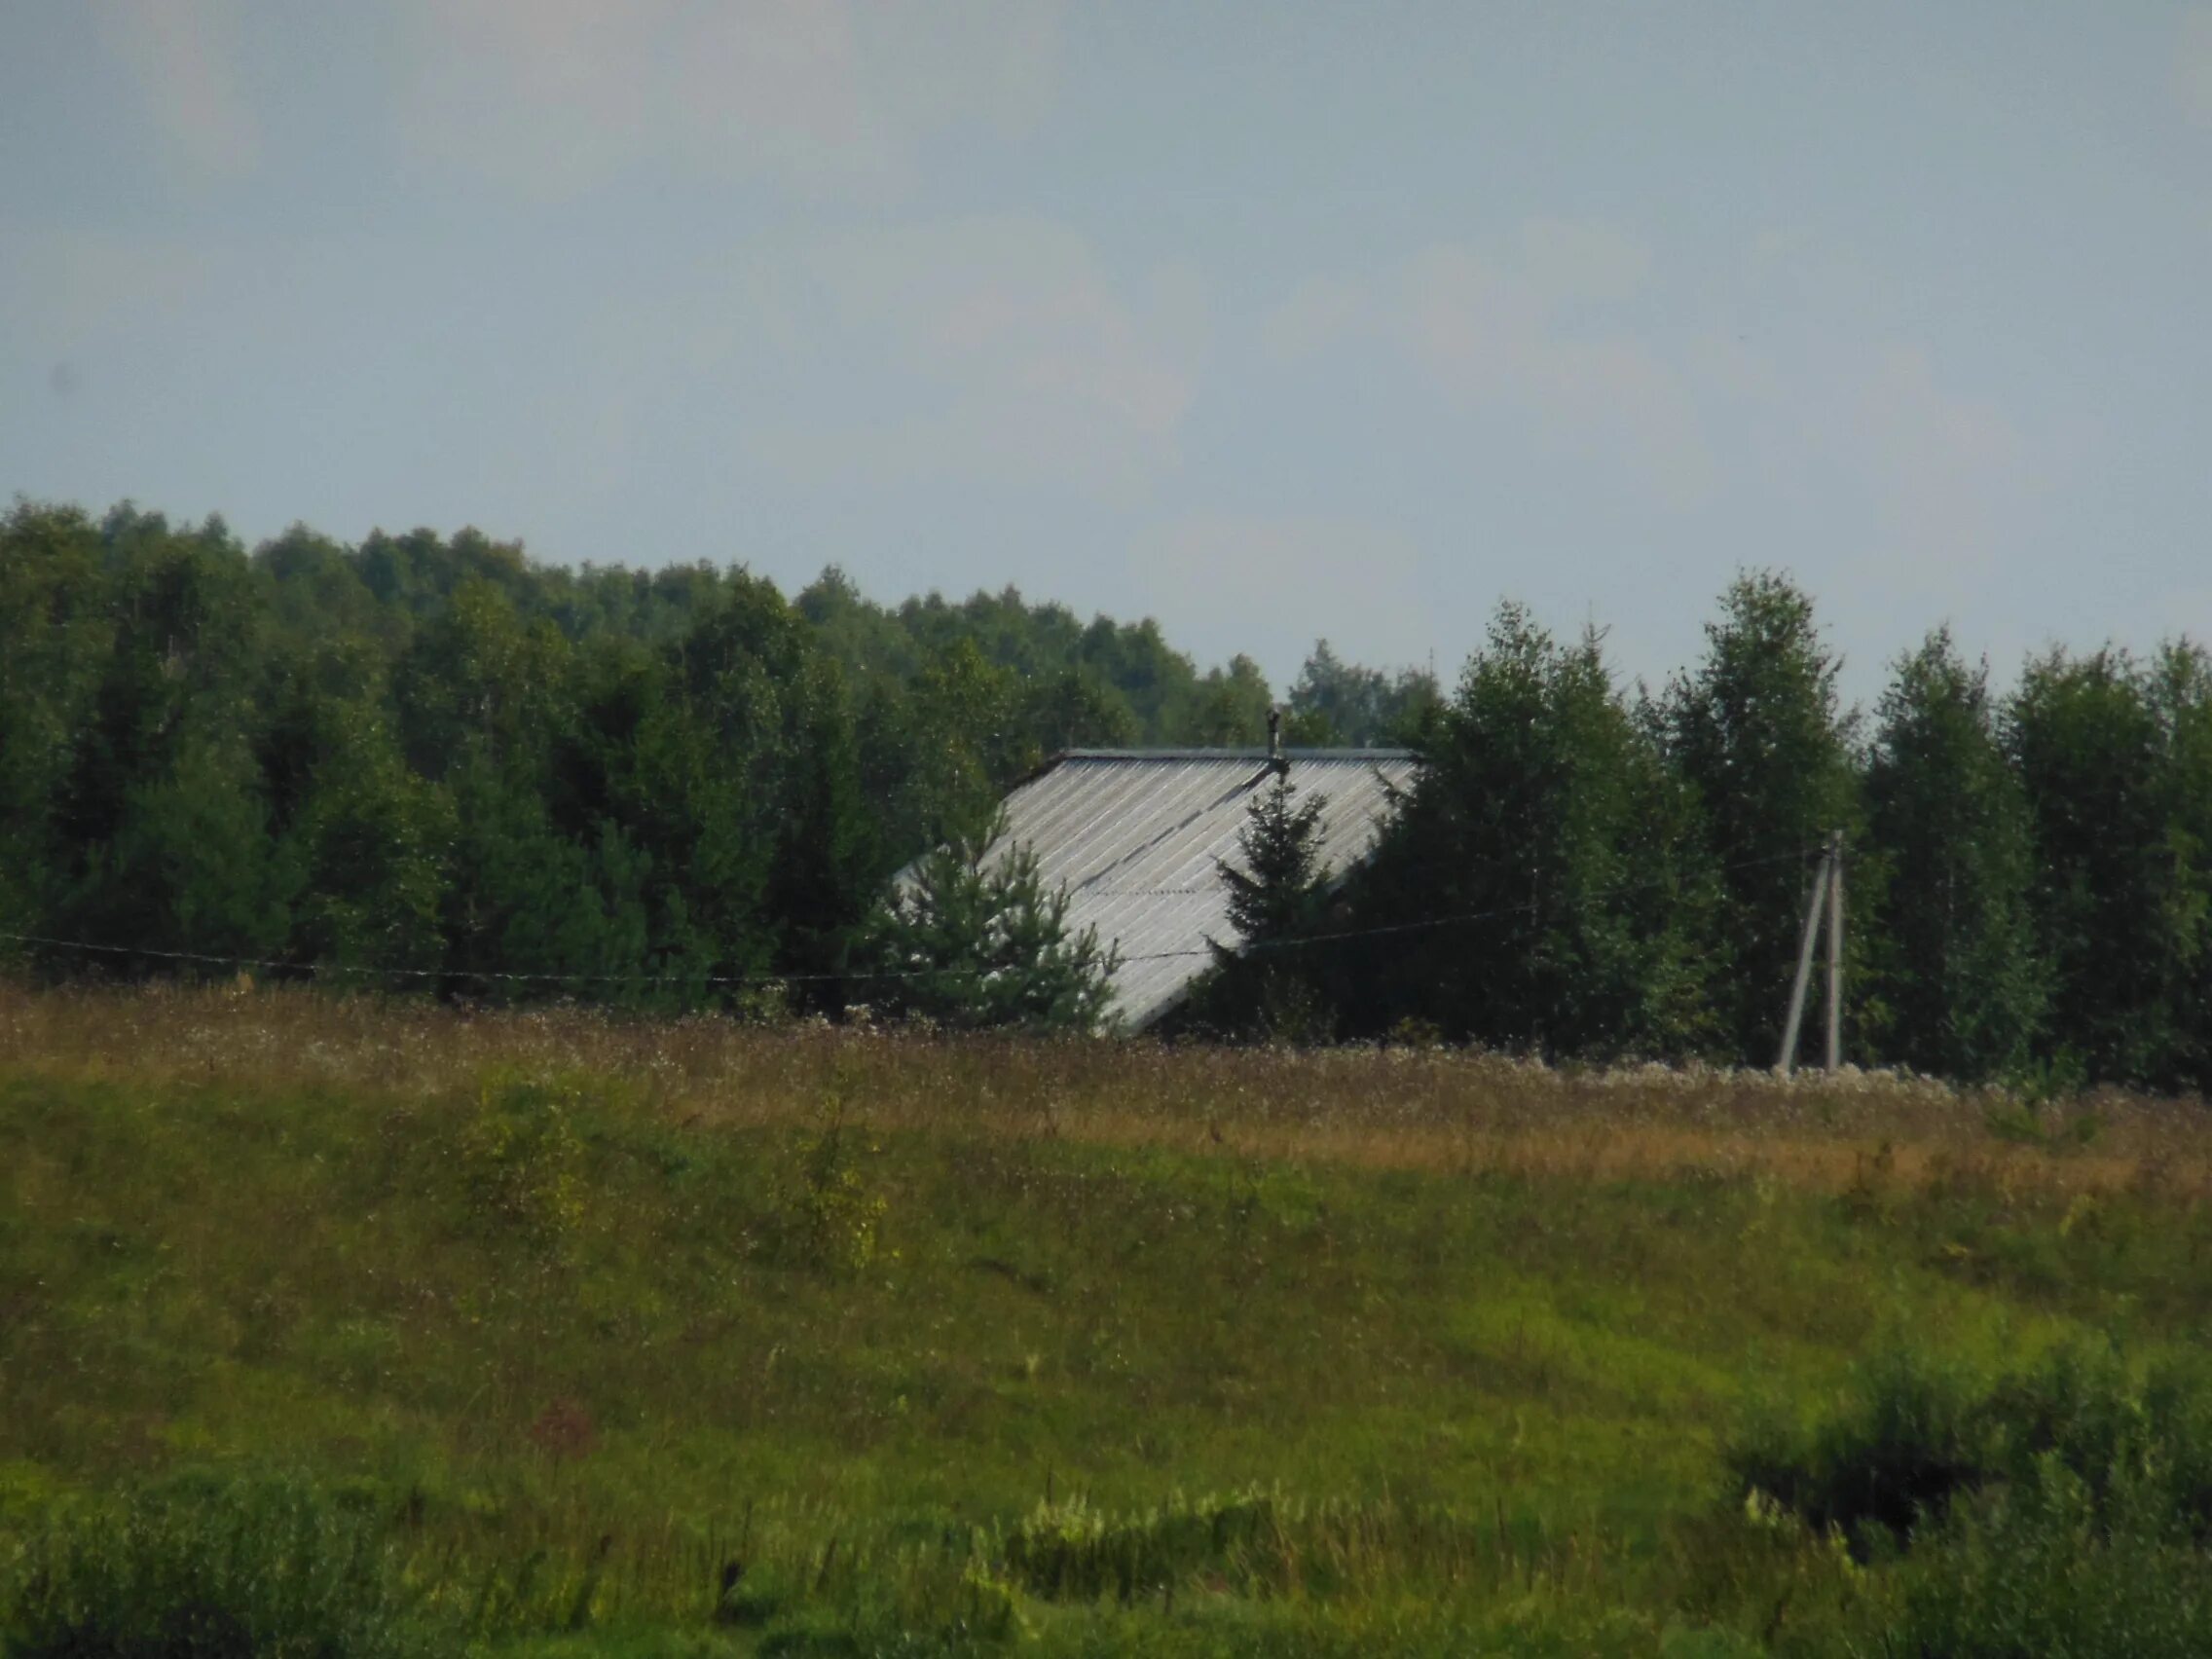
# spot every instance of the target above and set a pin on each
(1336, 704)
(1914, 1434)
(2043, 1567)
(208, 1569)
(1544, 815)
(1278, 892)
(1266, 982)
(55, 633)
(1755, 729)
(971, 938)
(1908, 1437)
(1232, 709)
(2115, 758)
(427, 762)
(1958, 969)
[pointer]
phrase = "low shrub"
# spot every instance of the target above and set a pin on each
(2048, 1565)
(520, 1158)
(1914, 1433)
(1909, 1435)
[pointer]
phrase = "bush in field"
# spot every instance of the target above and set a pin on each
(519, 1156)
(1908, 1437)
(2051, 1565)
(252, 1571)
(828, 1217)
(1915, 1438)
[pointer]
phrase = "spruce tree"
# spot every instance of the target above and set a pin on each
(1277, 889)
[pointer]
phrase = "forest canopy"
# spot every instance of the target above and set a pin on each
(433, 763)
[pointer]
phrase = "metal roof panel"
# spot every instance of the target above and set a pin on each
(1133, 837)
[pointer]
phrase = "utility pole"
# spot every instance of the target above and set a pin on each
(1836, 950)
(1786, 1061)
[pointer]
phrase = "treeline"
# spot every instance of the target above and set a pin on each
(431, 761)
(435, 761)
(1578, 872)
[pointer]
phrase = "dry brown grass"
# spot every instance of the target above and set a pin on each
(1433, 1110)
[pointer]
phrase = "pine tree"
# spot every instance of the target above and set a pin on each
(974, 940)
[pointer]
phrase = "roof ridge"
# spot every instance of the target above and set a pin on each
(1240, 754)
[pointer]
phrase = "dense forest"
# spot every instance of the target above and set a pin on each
(433, 763)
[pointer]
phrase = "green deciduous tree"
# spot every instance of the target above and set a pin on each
(1337, 704)
(1544, 817)
(1756, 730)
(2112, 754)
(55, 634)
(1956, 968)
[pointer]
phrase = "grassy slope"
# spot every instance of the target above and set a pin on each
(270, 1232)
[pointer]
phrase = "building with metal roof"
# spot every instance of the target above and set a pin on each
(1133, 836)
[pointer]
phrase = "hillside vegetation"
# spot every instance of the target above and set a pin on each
(400, 1329)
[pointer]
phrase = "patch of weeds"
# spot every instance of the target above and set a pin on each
(521, 1160)
(827, 1214)
(1915, 1436)
(1069, 1551)
(1907, 1438)
(209, 1570)
(2049, 1564)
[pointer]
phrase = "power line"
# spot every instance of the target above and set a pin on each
(872, 976)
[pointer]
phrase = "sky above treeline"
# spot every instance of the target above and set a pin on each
(1273, 322)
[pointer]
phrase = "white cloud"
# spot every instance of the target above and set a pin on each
(555, 96)
(181, 54)
(2193, 64)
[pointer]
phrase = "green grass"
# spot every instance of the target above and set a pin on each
(575, 1343)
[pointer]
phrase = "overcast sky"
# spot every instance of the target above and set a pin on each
(1273, 320)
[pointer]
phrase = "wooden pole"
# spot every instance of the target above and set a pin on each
(1836, 950)
(1786, 1061)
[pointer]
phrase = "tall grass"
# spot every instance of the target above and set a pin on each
(206, 1570)
(614, 1334)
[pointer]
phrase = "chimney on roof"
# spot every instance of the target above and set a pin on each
(1274, 741)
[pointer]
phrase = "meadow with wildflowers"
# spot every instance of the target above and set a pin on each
(354, 1326)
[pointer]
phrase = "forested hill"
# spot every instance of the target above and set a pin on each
(425, 762)
(433, 756)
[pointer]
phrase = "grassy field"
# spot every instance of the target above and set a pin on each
(575, 1336)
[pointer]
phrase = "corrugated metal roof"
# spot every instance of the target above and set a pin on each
(1134, 834)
